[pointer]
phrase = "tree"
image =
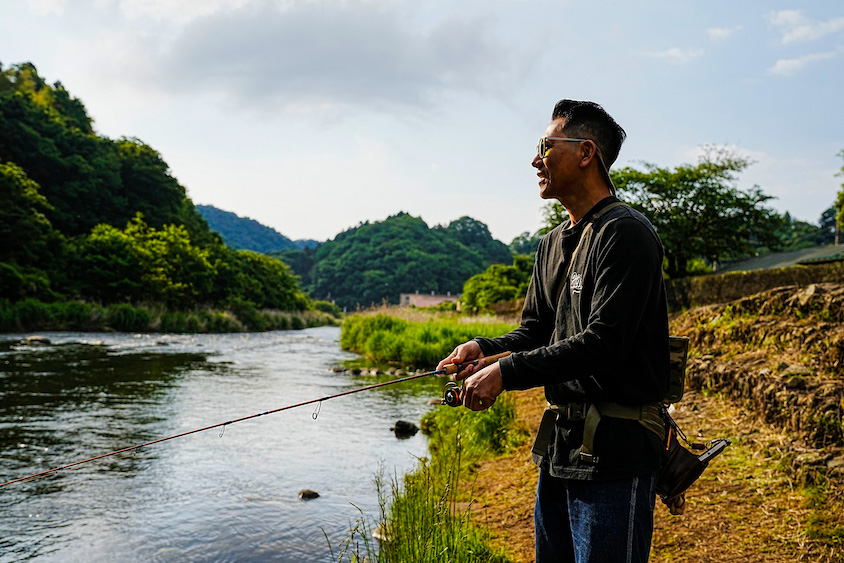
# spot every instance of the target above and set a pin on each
(699, 211)
(795, 234)
(496, 284)
(829, 226)
(553, 214)
(525, 243)
(24, 228)
(475, 235)
(28, 242)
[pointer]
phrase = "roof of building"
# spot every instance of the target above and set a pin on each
(814, 255)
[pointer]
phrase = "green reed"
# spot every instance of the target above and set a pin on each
(385, 338)
(426, 516)
(32, 314)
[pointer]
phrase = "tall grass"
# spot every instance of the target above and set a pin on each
(32, 314)
(386, 338)
(426, 516)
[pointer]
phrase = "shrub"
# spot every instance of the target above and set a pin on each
(126, 318)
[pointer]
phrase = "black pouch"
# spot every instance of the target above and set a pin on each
(681, 467)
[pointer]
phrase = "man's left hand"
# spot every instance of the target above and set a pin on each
(482, 388)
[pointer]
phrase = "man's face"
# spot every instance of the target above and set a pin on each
(554, 167)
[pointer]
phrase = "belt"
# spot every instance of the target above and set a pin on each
(649, 416)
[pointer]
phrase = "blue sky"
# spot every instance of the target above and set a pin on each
(313, 116)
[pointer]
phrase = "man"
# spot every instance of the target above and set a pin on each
(594, 333)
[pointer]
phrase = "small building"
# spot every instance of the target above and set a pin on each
(425, 300)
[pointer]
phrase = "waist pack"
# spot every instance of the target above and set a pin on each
(680, 466)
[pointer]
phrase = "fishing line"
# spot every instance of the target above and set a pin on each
(448, 369)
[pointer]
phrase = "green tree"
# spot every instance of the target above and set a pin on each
(553, 214)
(266, 282)
(25, 231)
(87, 179)
(699, 211)
(29, 245)
(141, 263)
(525, 243)
(496, 284)
(475, 235)
(300, 261)
(828, 224)
(106, 268)
(78, 172)
(795, 234)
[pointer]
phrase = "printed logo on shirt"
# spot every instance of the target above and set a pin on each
(576, 283)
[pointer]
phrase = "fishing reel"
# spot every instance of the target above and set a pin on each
(452, 394)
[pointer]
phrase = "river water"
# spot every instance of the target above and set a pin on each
(203, 497)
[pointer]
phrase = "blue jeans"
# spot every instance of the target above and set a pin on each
(594, 521)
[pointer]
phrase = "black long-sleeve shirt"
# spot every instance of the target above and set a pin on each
(605, 338)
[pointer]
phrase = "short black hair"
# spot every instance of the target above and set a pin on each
(588, 120)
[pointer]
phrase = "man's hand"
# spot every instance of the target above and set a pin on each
(677, 505)
(481, 389)
(466, 352)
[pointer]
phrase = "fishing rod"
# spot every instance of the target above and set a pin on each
(448, 369)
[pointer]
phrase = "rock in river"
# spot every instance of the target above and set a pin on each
(404, 429)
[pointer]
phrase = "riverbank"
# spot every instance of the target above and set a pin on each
(32, 315)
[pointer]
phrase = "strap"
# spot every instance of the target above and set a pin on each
(586, 230)
(543, 436)
(649, 416)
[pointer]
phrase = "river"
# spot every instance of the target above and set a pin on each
(206, 496)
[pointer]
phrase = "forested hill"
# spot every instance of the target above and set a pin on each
(373, 263)
(248, 234)
(86, 179)
(85, 217)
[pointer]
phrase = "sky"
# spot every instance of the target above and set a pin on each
(314, 116)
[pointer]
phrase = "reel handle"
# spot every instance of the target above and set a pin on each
(453, 392)
(451, 369)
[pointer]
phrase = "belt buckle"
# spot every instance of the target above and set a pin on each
(588, 458)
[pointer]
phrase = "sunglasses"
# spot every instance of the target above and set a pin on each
(542, 148)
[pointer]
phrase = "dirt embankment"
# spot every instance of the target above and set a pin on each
(766, 371)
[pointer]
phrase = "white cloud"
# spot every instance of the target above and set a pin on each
(309, 54)
(787, 67)
(677, 55)
(180, 11)
(794, 26)
(48, 7)
(722, 33)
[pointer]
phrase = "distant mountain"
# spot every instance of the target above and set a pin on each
(248, 234)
